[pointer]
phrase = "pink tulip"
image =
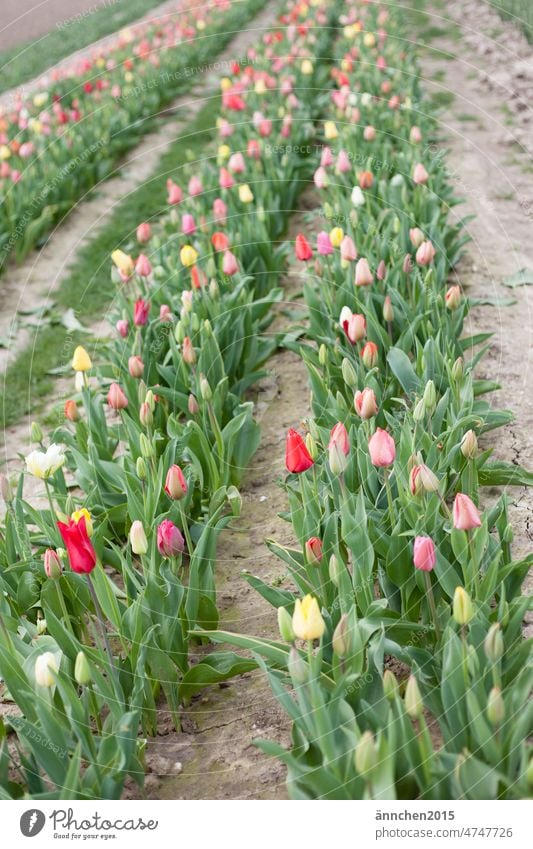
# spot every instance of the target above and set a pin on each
(323, 244)
(175, 194)
(338, 449)
(165, 313)
(116, 398)
(142, 266)
(424, 555)
(363, 275)
(136, 367)
(170, 541)
(236, 163)
(415, 136)
(326, 157)
(140, 313)
(225, 180)
(365, 403)
(369, 133)
(425, 253)
(144, 233)
(220, 210)
(188, 224)
(175, 483)
(320, 178)
(416, 236)
(354, 325)
(382, 448)
(466, 516)
(381, 270)
(195, 186)
(348, 249)
(343, 162)
(123, 327)
(229, 263)
(420, 175)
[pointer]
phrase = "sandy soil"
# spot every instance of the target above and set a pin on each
(23, 20)
(488, 134)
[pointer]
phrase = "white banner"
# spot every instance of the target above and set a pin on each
(276, 825)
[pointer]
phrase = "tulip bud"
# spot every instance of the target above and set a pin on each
(365, 403)
(458, 369)
(348, 373)
(469, 445)
(313, 551)
(462, 607)
(285, 625)
(140, 467)
(138, 541)
(369, 355)
(175, 483)
(407, 266)
(495, 707)
(147, 449)
(390, 685)
(366, 754)
(334, 570)
(71, 411)
(41, 626)
(419, 410)
(116, 397)
(146, 417)
(453, 297)
(338, 448)
(188, 352)
(430, 396)
(414, 705)
(81, 360)
(52, 565)
(205, 389)
(311, 446)
(82, 671)
(388, 312)
(36, 432)
(46, 669)
(136, 367)
(341, 640)
(322, 355)
(493, 644)
(150, 400)
(192, 405)
(297, 667)
(5, 489)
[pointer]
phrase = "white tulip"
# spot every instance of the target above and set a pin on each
(46, 667)
(358, 197)
(42, 464)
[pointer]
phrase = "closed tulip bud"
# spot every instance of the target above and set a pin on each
(366, 754)
(508, 534)
(135, 367)
(192, 405)
(307, 622)
(422, 479)
(311, 446)
(363, 275)
(297, 667)
(495, 707)
(82, 670)
(348, 373)
(170, 542)
(453, 297)
(5, 489)
(391, 688)
(416, 237)
(205, 389)
(297, 457)
(369, 355)
(334, 570)
(138, 541)
(458, 369)
(420, 175)
(419, 410)
(348, 249)
(365, 404)
(175, 483)
(144, 233)
(313, 551)
(46, 669)
(285, 625)
(430, 396)
(425, 253)
(338, 448)
(146, 446)
(322, 355)
(341, 640)
(336, 236)
(36, 433)
(462, 606)
(381, 270)
(188, 353)
(71, 411)
(414, 705)
(41, 626)
(81, 360)
(143, 266)
(407, 265)
(188, 256)
(52, 565)
(381, 448)
(214, 289)
(424, 555)
(388, 312)
(146, 417)
(123, 327)
(140, 468)
(466, 516)
(116, 398)
(123, 262)
(469, 445)
(493, 644)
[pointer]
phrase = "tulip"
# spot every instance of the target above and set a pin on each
(144, 233)
(83, 513)
(425, 253)
(82, 670)
(421, 478)
(363, 275)
(71, 411)
(369, 354)
(326, 157)
(225, 180)
(407, 265)
(336, 236)
(230, 265)
(302, 248)
(46, 669)
(188, 224)
(140, 312)
(466, 515)
(81, 360)
(415, 136)
(143, 267)
(116, 397)
(146, 415)
(253, 149)
(297, 457)
(388, 312)
(330, 130)
(390, 685)
(354, 325)
(382, 448)
(220, 241)
(453, 297)
(175, 483)
(381, 270)
(170, 541)
(188, 352)
(188, 256)
(123, 327)
(138, 541)
(462, 606)
(192, 405)
(365, 403)
(81, 554)
(495, 707)
(307, 622)
(323, 244)
(236, 163)
(219, 211)
(343, 162)
(414, 706)
(424, 557)
(165, 313)
(341, 640)
(320, 178)
(123, 262)
(420, 175)
(366, 179)
(52, 565)
(205, 390)
(369, 133)
(338, 448)
(469, 445)
(366, 754)
(245, 194)
(348, 249)
(136, 367)
(195, 186)
(357, 196)
(493, 644)
(313, 551)
(416, 237)
(43, 464)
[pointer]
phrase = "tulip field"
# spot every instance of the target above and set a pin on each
(401, 664)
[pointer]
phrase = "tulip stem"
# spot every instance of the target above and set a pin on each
(102, 627)
(474, 566)
(389, 497)
(432, 605)
(94, 708)
(52, 510)
(186, 533)
(64, 611)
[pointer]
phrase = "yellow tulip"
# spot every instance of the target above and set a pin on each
(462, 606)
(260, 87)
(5, 152)
(128, 77)
(223, 153)
(200, 25)
(330, 130)
(225, 83)
(369, 39)
(245, 193)
(123, 262)
(76, 516)
(40, 99)
(188, 256)
(81, 360)
(336, 236)
(307, 622)
(306, 67)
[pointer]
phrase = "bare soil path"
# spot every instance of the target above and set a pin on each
(488, 129)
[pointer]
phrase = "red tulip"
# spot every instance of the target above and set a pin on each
(81, 554)
(297, 457)
(424, 556)
(465, 513)
(382, 448)
(302, 248)
(313, 551)
(140, 313)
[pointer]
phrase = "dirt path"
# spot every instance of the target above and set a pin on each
(488, 129)
(33, 283)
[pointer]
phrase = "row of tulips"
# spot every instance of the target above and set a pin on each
(67, 136)
(106, 590)
(401, 627)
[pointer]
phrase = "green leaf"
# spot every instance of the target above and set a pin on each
(524, 277)
(214, 668)
(403, 370)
